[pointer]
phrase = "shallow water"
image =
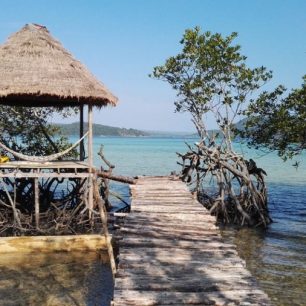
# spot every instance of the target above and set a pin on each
(55, 279)
(277, 256)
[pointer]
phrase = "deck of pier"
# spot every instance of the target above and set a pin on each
(172, 253)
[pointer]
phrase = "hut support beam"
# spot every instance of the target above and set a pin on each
(36, 197)
(82, 151)
(90, 161)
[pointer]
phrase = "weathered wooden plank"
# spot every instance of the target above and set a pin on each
(198, 230)
(171, 222)
(180, 215)
(168, 199)
(186, 270)
(166, 202)
(44, 244)
(148, 218)
(119, 214)
(169, 234)
(176, 215)
(164, 209)
(158, 223)
(159, 195)
(171, 243)
(153, 298)
(134, 263)
(180, 282)
(59, 175)
(204, 284)
(176, 190)
(184, 273)
(172, 253)
(46, 165)
(205, 255)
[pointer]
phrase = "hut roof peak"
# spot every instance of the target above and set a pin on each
(36, 70)
(36, 26)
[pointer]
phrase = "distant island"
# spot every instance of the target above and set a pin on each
(70, 129)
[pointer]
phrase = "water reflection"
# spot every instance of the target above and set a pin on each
(277, 256)
(55, 279)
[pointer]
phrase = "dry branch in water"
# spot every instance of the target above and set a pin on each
(117, 178)
(240, 194)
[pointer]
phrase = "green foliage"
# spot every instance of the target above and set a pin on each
(27, 130)
(210, 75)
(278, 122)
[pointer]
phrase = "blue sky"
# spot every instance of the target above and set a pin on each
(121, 41)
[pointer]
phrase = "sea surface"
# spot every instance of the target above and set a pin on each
(276, 256)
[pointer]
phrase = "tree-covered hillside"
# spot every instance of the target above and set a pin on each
(100, 130)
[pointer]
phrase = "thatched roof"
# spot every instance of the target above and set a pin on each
(35, 70)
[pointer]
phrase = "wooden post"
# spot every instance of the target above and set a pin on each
(82, 151)
(103, 216)
(90, 156)
(36, 197)
(90, 161)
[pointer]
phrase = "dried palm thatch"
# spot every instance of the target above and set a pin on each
(36, 70)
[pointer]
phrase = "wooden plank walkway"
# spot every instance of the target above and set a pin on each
(173, 254)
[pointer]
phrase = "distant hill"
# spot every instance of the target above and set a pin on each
(100, 130)
(105, 130)
(240, 125)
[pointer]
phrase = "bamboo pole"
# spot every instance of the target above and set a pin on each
(90, 161)
(36, 197)
(90, 155)
(103, 216)
(82, 151)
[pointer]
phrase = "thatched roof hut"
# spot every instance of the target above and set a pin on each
(36, 70)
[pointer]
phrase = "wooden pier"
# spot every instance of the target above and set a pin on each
(171, 253)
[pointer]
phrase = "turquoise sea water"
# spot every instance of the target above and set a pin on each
(276, 256)
(157, 156)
